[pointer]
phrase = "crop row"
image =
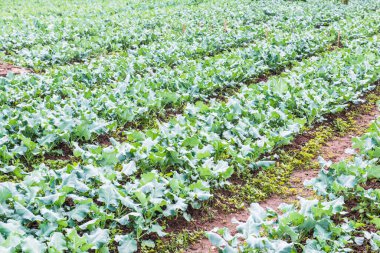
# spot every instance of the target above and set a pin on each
(158, 34)
(208, 38)
(90, 34)
(23, 27)
(37, 115)
(20, 9)
(119, 193)
(344, 217)
(157, 59)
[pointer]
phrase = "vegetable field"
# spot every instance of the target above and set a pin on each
(344, 217)
(120, 119)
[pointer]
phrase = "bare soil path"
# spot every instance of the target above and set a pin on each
(334, 150)
(6, 68)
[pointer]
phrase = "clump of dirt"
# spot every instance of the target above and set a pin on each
(6, 68)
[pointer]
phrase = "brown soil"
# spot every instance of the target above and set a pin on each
(64, 152)
(372, 184)
(296, 189)
(221, 220)
(334, 150)
(6, 68)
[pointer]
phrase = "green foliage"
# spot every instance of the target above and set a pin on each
(137, 195)
(338, 220)
(114, 195)
(115, 91)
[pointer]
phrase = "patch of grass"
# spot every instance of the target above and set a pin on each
(341, 126)
(57, 164)
(8, 178)
(175, 242)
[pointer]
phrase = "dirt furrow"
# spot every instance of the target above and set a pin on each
(334, 149)
(6, 68)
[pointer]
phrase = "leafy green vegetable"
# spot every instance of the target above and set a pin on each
(335, 222)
